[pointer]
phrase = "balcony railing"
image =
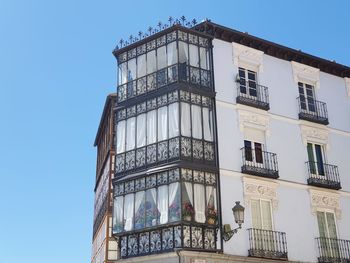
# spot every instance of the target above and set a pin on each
(254, 95)
(166, 76)
(267, 244)
(323, 175)
(333, 250)
(313, 110)
(260, 163)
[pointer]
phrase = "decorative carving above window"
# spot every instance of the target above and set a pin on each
(306, 74)
(248, 119)
(347, 85)
(247, 57)
(258, 189)
(315, 134)
(321, 200)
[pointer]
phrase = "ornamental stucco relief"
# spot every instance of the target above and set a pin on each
(304, 73)
(247, 57)
(253, 120)
(325, 200)
(314, 134)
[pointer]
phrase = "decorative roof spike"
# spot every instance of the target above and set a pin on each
(159, 25)
(170, 20)
(121, 41)
(194, 22)
(183, 19)
(131, 38)
(150, 30)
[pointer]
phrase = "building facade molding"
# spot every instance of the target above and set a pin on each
(260, 189)
(247, 57)
(255, 120)
(324, 200)
(347, 86)
(315, 134)
(306, 74)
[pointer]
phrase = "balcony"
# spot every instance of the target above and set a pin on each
(259, 163)
(267, 244)
(176, 73)
(254, 95)
(323, 175)
(313, 110)
(333, 250)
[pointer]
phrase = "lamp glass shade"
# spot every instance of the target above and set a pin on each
(238, 213)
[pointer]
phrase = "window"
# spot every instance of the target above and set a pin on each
(328, 234)
(315, 154)
(248, 82)
(307, 97)
(253, 151)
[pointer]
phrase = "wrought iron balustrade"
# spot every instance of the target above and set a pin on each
(260, 163)
(267, 244)
(252, 94)
(312, 110)
(168, 238)
(331, 250)
(323, 175)
(180, 72)
(177, 148)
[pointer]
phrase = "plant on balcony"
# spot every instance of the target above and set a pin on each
(151, 214)
(188, 211)
(140, 217)
(212, 214)
(174, 212)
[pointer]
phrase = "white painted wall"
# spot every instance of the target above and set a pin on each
(293, 214)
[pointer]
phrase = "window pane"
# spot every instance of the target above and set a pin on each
(130, 134)
(162, 123)
(204, 58)
(151, 126)
(185, 119)
(163, 204)
(332, 229)
(140, 210)
(151, 62)
(266, 215)
(258, 152)
(321, 224)
(207, 124)
(248, 151)
(199, 203)
(212, 213)
(187, 201)
(172, 54)
(128, 212)
(174, 202)
(132, 69)
(256, 214)
(173, 120)
(183, 52)
(194, 60)
(196, 122)
(141, 65)
(151, 208)
(121, 137)
(319, 158)
(122, 73)
(161, 57)
(118, 215)
(141, 130)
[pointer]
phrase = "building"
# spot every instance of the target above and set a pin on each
(205, 116)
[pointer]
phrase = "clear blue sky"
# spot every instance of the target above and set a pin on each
(56, 69)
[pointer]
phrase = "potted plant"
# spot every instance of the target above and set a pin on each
(212, 216)
(188, 211)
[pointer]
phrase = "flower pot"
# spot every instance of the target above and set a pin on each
(211, 221)
(187, 218)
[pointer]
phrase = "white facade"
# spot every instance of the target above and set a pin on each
(294, 203)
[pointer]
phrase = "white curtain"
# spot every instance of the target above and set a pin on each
(194, 60)
(151, 126)
(196, 122)
(173, 120)
(141, 130)
(207, 125)
(121, 137)
(204, 58)
(128, 212)
(139, 199)
(199, 203)
(173, 189)
(141, 65)
(185, 119)
(130, 133)
(189, 191)
(163, 204)
(122, 73)
(211, 193)
(151, 196)
(172, 54)
(162, 123)
(161, 57)
(118, 214)
(183, 52)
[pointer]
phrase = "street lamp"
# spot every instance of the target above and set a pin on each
(238, 214)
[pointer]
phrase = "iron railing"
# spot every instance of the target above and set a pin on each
(252, 94)
(260, 163)
(267, 244)
(313, 110)
(180, 72)
(323, 175)
(333, 250)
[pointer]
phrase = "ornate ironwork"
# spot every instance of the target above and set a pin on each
(332, 250)
(323, 175)
(267, 244)
(259, 98)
